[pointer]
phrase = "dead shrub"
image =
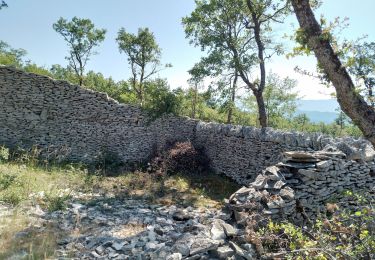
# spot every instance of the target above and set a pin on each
(182, 157)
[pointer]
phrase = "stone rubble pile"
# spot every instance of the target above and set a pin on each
(299, 187)
(134, 229)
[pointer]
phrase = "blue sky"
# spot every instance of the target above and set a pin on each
(28, 24)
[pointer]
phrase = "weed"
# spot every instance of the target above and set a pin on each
(346, 233)
(4, 154)
(54, 202)
(6, 180)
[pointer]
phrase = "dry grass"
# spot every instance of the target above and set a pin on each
(22, 185)
(129, 230)
(208, 190)
(19, 239)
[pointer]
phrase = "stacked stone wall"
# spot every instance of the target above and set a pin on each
(78, 124)
(242, 152)
(82, 125)
(300, 187)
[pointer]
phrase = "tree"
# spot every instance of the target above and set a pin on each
(302, 120)
(116, 90)
(279, 98)
(225, 76)
(352, 103)
(342, 120)
(10, 56)
(160, 99)
(235, 32)
(3, 4)
(197, 73)
(62, 73)
(81, 36)
(362, 66)
(143, 56)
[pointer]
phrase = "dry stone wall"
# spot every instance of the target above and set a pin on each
(241, 152)
(73, 123)
(299, 187)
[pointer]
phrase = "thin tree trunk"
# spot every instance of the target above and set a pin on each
(141, 94)
(262, 67)
(350, 101)
(232, 99)
(261, 109)
(194, 104)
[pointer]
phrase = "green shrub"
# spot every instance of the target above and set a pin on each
(347, 233)
(4, 154)
(6, 180)
(54, 202)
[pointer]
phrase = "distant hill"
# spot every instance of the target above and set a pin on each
(324, 105)
(318, 116)
(318, 110)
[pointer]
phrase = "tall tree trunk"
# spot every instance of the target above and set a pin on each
(262, 67)
(194, 104)
(350, 101)
(261, 109)
(232, 98)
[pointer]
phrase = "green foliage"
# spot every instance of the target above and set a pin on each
(361, 64)
(6, 180)
(160, 99)
(4, 154)
(10, 56)
(143, 55)
(56, 201)
(141, 49)
(33, 68)
(279, 98)
(116, 90)
(345, 234)
(81, 37)
(237, 37)
(67, 74)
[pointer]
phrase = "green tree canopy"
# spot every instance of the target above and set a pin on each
(144, 56)
(81, 37)
(10, 56)
(237, 34)
(279, 97)
(362, 67)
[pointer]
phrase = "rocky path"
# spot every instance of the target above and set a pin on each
(135, 229)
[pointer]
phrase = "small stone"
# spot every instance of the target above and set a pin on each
(224, 252)
(118, 246)
(113, 255)
(278, 185)
(229, 230)
(324, 164)
(183, 249)
(308, 173)
(240, 251)
(273, 173)
(202, 245)
(181, 216)
(100, 249)
(259, 182)
(217, 231)
(287, 193)
(175, 256)
(275, 202)
(95, 255)
(150, 246)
